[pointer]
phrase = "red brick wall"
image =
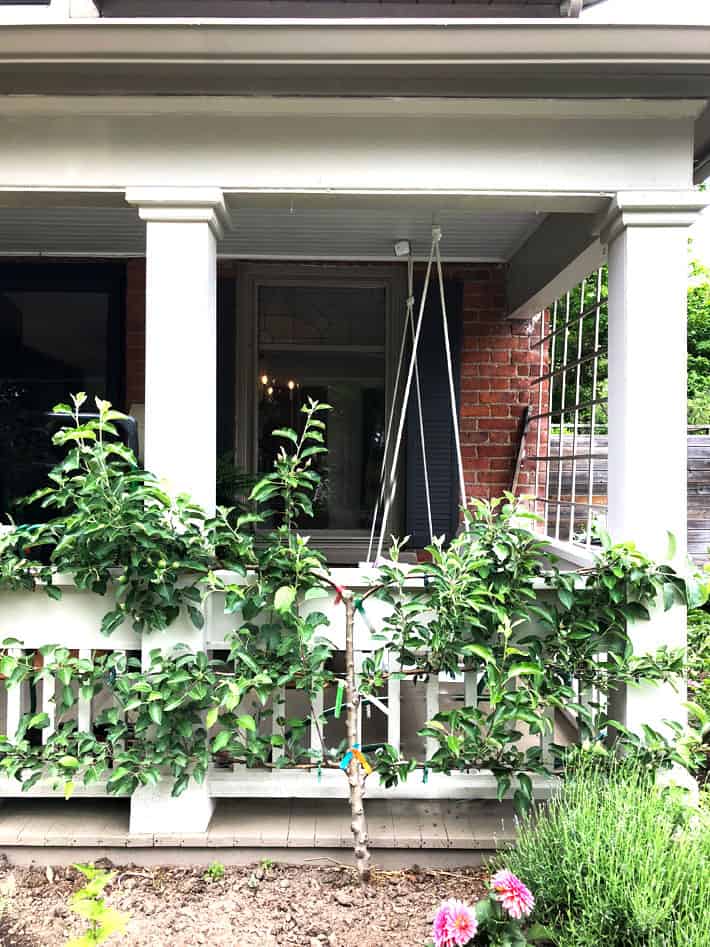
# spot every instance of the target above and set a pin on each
(498, 362)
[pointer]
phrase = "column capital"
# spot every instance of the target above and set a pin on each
(182, 205)
(651, 209)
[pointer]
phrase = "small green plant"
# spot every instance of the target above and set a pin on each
(266, 864)
(88, 902)
(699, 670)
(215, 872)
(616, 860)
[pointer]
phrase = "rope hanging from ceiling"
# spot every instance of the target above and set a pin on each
(393, 447)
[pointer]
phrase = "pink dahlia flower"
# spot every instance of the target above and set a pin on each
(455, 924)
(516, 899)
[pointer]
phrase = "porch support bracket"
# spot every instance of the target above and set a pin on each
(647, 239)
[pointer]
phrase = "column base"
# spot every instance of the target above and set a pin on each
(155, 811)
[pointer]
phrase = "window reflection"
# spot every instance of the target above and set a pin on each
(327, 343)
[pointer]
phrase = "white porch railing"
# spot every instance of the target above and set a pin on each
(393, 716)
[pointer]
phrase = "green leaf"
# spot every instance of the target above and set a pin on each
(521, 669)
(480, 651)
(566, 598)
(221, 740)
(155, 712)
(672, 546)
(211, 718)
(68, 789)
(286, 433)
(111, 621)
(247, 723)
(69, 762)
(284, 598)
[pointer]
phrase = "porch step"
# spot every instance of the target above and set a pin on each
(287, 829)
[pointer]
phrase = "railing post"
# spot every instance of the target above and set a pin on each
(183, 225)
(648, 266)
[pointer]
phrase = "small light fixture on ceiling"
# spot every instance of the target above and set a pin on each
(402, 248)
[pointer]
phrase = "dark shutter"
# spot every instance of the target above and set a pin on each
(438, 432)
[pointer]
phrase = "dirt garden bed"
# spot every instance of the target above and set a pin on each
(264, 906)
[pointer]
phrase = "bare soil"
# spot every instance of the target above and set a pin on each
(263, 906)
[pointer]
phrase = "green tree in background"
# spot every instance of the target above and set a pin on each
(699, 345)
(698, 351)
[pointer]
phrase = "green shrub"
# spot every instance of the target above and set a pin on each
(699, 658)
(616, 861)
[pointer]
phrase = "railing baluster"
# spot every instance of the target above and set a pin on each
(278, 729)
(547, 737)
(83, 712)
(432, 709)
(358, 670)
(470, 688)
(14, 701)
(49, 707)
(317, 724)
(394, 696)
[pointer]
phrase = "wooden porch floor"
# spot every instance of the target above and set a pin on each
(32, 829)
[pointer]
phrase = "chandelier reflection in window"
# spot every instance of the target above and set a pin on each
(274, 390)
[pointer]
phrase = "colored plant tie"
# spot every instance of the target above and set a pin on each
(360, 608)
(360, 757)
(339, 594)
(425, 775)
(319, 774)
(339, 699)
(356, 752)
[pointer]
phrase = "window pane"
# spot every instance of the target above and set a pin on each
(52, 343)
(327, 343)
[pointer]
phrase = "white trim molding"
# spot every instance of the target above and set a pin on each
(651, 209)
(182, 205)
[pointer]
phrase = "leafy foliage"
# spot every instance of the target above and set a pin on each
(117, 529)
(699, 345)
(699, 672)
(477, 609)
(90, 904)
(615, 860)
(490, 603)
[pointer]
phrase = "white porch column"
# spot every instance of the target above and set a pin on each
(647, 235)
(183, 226)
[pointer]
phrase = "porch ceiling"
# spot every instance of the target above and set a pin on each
(288, 232)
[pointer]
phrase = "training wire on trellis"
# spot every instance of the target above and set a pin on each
(388, 472)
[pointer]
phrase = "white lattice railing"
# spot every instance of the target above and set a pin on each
(393, 716)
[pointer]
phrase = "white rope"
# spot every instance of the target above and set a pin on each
(418, 391)
(388, 432)
(450, 370)
(413, 373)
(405, 400)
